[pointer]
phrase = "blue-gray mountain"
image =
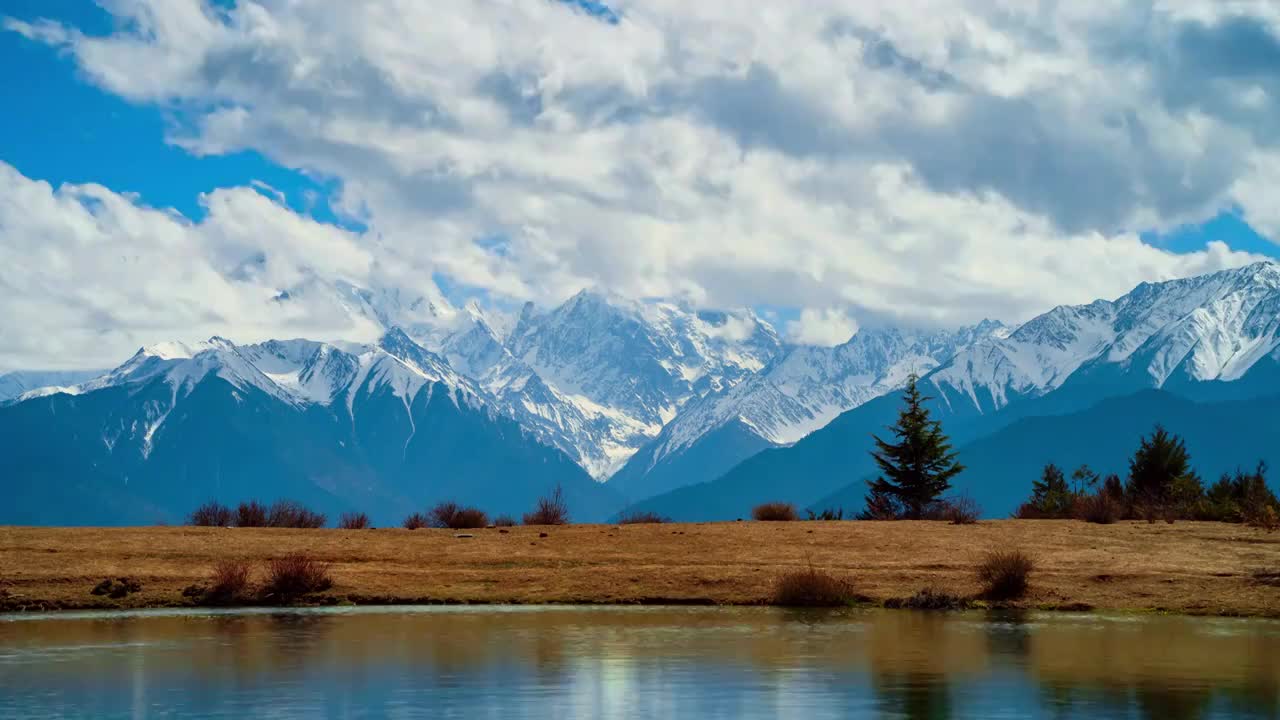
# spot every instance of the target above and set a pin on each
(1211, 339)
(694, 414)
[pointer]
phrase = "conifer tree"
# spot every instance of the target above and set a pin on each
(1160, 461)
(1050, 494)
(918, 467)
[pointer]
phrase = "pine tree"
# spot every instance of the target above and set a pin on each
(1158, 464)
(918, 468)
(1050, 494)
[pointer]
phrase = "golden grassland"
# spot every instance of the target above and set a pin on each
(1187, 567)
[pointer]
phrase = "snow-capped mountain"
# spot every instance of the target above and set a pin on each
(385, 427)
(19, 382)
(1207, 329)
(601, 375)
(801, 392)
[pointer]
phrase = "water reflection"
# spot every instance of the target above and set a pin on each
(642, 662)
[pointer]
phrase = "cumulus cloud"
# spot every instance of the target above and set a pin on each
(924, 162)
(827, 328)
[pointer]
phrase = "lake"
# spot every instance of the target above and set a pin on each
(563, 662)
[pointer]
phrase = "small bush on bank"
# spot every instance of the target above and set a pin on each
(292, 514)
(774, 512)
(456, 517)
(1005, 574)
(929, 599)
(229, 582)
(1264, 518)
(827, 514)
(504, 521)
(641, 518)
(416, 521)
(211, 514)
(811, 587)
(353, 521)
(550, 510)
(251, 514)
(294, 575)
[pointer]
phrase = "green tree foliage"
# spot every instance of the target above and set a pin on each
(917, 468)
(1160, 471)
(1050, 496)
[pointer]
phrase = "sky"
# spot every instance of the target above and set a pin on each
(175, 169)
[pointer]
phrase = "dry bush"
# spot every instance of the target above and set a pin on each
(641, 518)
(961, 511)
(229, 582)
(929, 599)
(416, 521)
(1004, 574)
(504, 521)
(456, 517)
(1264, 518)
(292, 514)
(353, 521)
(211, 514)
(827, 514)
(550, 510)
(251, 514)
(811, 587)
(774, 512)
(1098, 508)
(294, 575)
(1028, 511)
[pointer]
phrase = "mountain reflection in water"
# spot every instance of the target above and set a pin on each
(636, 662)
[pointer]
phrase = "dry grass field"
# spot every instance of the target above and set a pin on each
(1188, 567)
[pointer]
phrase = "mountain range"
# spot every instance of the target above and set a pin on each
(652, 405)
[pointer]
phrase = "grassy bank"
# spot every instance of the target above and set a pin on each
(1187, 567)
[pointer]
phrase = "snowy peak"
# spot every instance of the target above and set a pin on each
(1211, 327)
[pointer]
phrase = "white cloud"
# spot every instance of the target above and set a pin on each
(827, 328)
(924, 162)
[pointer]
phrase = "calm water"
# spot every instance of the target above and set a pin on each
(641, 662)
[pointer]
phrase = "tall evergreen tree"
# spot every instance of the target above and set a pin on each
(918, 467)
(1160, 461)
(1050, 494)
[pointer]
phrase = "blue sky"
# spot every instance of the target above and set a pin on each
(892, 173)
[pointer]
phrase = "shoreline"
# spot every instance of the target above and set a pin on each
(1187, 568)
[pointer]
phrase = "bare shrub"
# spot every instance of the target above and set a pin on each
(1029, 511)
(774, 512)
(251, 514)
(1004, 574)
(641, 518)
(929, 599)
(210, 514)
(353, 521)
(1098, 508)
(962, 511)
(295, 575)
(229, 582)
(293, 514)
(811, 587)
(456, 517)
(827, 514)
(1264, 518)
(416, 521)
(550, 510)
(504, 521)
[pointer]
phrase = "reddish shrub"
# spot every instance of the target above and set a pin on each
(211, 514)
(961, 511)
(456, 517)
(294, 575)
(251, 514)
(774, 512)
(504, 521)
(353, 521)
(416, 521)
(550, 510)
(229, 582)
(1004, 574)
(811, 587)
(291, 514)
